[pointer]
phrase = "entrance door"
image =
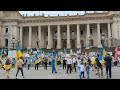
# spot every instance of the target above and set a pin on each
(72, 43)
(64, 44)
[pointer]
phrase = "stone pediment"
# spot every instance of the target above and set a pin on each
(9, 15)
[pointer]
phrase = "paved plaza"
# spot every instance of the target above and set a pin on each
(47, 74)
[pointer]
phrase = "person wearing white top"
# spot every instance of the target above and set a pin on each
(74, 63)
(69, 62)
(81, 70)
(78, 65)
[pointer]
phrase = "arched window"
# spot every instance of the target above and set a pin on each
(6, 42)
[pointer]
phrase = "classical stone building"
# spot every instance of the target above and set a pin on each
(75, 31)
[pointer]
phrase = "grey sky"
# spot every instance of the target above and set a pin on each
(53, 13)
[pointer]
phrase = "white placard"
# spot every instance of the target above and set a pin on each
(34, 52)
(110, 53)
(12, 54)
(27, 55)
(118, 52)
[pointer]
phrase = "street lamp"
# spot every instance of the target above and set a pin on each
(111, 39)
(89, 41)
(13, 41)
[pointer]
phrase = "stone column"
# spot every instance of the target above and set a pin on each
(58, 37)
(109, 35)
(21, 35)
(0, 36)
(2, 39)
(49, 38)
(68, 37)
(87, 35)
(78, 37)
(30, 37)
(39, 35)
(98, 34)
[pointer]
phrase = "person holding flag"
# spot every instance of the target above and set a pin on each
(36, 61)
(7, 66)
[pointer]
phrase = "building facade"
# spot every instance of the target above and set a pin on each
(58, 32)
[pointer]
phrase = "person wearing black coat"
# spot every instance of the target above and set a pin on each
(108, 65)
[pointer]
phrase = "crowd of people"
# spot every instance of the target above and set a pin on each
(77, 63)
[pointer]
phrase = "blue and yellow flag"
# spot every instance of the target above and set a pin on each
(0, 53)
(30, 51)
(102, 54)
(55, 64)
(5, 52)
(38, 54)
(37, 61)
(18, 53)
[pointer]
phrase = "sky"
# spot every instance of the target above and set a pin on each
(53, 13)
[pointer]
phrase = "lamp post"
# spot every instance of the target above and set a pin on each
(13, 41)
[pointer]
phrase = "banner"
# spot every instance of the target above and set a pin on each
(12, 54)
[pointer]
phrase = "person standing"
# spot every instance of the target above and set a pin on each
(81, 70)
(88, 70)
(58, 62)
(7, 66)
(108, 65)
(20, 66)
(99, 66)
(78, 66)
(28, 63)
(64, 63)
(74, 63)
(53, 64)
(69, 63)
(45, 62)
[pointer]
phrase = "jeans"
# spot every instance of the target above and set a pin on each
(79, 71)
(88, 73)
(18, 71)
(108, 68)
(59, 67)
(81, 74)
(69, 68)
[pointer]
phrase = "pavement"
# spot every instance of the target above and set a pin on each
(61, 74)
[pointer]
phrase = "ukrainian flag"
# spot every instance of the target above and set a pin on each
(55, 64)
(18, 53)
(5, 52)
(7, 67)
(38, 54)
(102, 55)
(30, 51)
(37, 60)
